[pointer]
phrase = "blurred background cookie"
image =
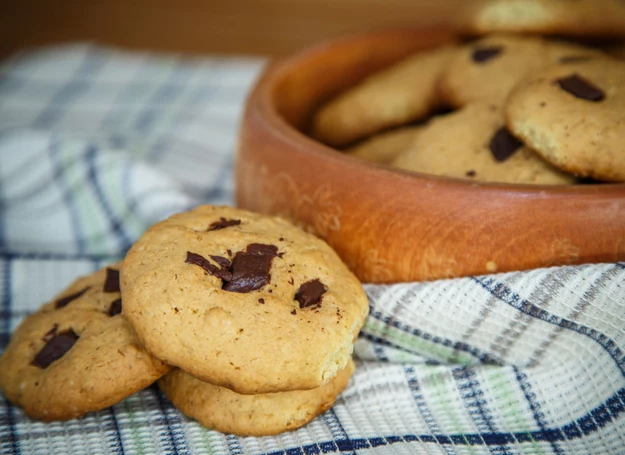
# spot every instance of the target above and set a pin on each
(473, 143)
(385, 147)
(594, 18)
(489, 68)
(574, 116)
(399, 95)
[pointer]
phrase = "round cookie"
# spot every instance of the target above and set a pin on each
(250, 415)
(394, 97)
(473, 143)
(81, 357)
(596, 18)
(99, 291)
(490, 67)
(242, 300)
(384, 148)
(574, 116)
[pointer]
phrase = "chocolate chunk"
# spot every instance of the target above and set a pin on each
(115, 308)
(294, 312)
(250, 269)
(471, 173)
(484, 54)
(50, 333)
(223, 273)
(503, 145)
(222, 261)
(62, 302)
(310, 293)
(112, 280)
(261, 301)
(575, 58)
(223, 223)
(581, 88)
(55, 348)
(259, 248)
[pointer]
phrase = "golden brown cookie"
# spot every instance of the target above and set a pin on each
(77, 355)
(472, 143)
(489, 68)
(574, 116)
(242, 300)
(384, 148)
(597, 18)
(250, 415)
(397, 96)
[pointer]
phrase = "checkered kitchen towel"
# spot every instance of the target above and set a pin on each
(96, 145)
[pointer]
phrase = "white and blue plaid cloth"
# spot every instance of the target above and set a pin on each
(96, 145)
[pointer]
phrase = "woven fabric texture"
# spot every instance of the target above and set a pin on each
(96, 145)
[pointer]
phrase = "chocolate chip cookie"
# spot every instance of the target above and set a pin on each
(574, 116)
(545, 17)
(250, 415)
(473, 143)
(489, 68)
(242, 300)
(394, 97)
(384, 148)
(77, 355)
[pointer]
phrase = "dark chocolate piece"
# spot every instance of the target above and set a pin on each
(484, 54)
(471, 173)
(223, 273)
(310, 293)
(62, 302)
(222, 261)
(50, 333)
(112, 280)
(503, 145)
(115, 308)
(581, 88)
(250, 269)
(261, 301)
(223, 223)
(55, 348)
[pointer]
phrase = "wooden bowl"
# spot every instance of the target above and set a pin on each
(390, 225)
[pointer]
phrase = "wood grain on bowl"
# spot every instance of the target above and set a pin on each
(393, 226)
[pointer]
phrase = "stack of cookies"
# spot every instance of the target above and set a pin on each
(512, 106)
(248, 321)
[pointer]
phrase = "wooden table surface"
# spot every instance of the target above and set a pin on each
(271, 27)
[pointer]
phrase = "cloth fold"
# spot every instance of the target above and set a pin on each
(96, 145)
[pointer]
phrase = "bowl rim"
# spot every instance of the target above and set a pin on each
(266, 88)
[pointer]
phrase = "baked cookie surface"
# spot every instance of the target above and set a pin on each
(242, 300)
(396, 96)
(490, 67)
(77, 354)
(472, 143)
(544, 17)
(250, 415)
(385, 147)
(574, 116)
